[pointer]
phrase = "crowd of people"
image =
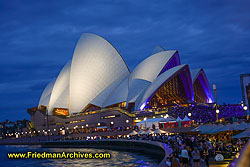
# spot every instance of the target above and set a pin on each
(205, 114)
(192, 150)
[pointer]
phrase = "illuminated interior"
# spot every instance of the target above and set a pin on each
(173, 92)
(61, 111)
(120, 105)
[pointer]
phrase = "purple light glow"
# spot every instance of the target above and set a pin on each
(143, 106)
(174, 61)
(204, 83)
(187, 85)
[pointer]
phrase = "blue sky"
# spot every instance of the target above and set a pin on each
(38, 37)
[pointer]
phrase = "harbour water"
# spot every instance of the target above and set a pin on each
(118, 158)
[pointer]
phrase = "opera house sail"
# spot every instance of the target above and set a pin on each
(98, 79)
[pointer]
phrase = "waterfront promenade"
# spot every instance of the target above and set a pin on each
(153, 148)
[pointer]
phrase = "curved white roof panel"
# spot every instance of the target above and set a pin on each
(60, 93)
(45, 97)
(144, 97)
(95, 65)
(119, 94)
(151, 67)
(158, 49)
(136, 88)
(194, 73)
(100, 99)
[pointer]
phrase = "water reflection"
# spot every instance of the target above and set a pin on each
(117, 158)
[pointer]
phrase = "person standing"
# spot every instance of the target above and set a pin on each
(206, 155)
(168, 162)
(196, 157)
(184, 157)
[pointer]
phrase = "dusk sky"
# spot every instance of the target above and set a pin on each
(38, 37)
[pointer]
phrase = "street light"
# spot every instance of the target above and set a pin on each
(112, 123)
(127, 121)
(189, 114)
(215, 92)
(98, 124)
(217, 113)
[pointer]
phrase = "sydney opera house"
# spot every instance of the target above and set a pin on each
(96, 88)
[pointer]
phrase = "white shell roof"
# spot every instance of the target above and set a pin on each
(60, 93)
(150, 68)
(101, 98)
(95, 65)
(157, 84)
(45, 97)
(194, 73)
(98, 75)
(136, 88)
(119, 94)
(158, 49)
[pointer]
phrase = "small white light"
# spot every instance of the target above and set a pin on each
(145, 119)
(112, 123)
(161, 115)
(87, 125)
(54, 129)
(189, 114)
(127, 121)
(217, 111)
(245, 108)
(82, 127)
(67, 128)
(98, 124)
(136, 118)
